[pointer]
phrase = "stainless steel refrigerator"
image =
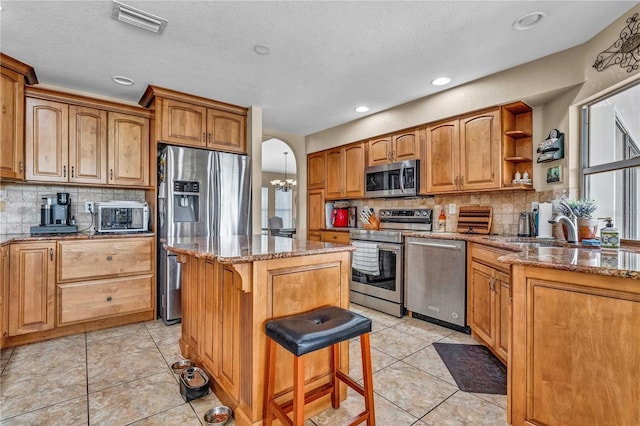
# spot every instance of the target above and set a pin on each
(200, 193)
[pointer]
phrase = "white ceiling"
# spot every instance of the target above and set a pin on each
(326, 56)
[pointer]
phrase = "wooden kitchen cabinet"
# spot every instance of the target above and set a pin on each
(489, 298)
(315, 210)
(4, 293)
(31, 287)
(400, 146)
(345, 172)
(316, 170)
(128, 148)
(517, 145)
(188, 120)
(337, 237)
(463, 154)
(104, 278)
(78, 140)
(575, 352)
(13, 77)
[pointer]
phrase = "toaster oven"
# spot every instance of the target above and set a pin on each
(122, 216)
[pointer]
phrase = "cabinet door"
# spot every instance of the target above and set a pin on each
(128, 149)
(315, 170)
(354, 170)
(480, 151)
(482, 295)
(334, 185)
(503, 314)
(315, 209)
(87, 145)
(226, 131)
(229, 320)
(183, 123)
(11, 125)
(406, 145)
(32, 288)
(46, 140)
(440, 168)
(380, 151)
(4, 293)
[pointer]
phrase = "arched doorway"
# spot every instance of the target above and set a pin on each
(279, 186)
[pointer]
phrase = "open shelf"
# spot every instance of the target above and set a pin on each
(517, 159)
(517, 134)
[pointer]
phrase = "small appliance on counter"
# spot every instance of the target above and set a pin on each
(55, 215)
(122, 216)
(340, 214)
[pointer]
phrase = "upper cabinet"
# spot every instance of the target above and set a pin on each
(315, 170)
(344, 176)
(517, 143)
(188, 120)
(463, 154)
(400, 146)
(79, 143)
(13, 76)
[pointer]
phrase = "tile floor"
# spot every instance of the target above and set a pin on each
(122, 376)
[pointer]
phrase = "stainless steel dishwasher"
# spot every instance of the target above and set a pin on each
(435, 281)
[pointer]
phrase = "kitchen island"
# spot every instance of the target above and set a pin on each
(231, 286)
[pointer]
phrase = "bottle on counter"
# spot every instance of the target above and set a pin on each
(609, 236)
(442, 222)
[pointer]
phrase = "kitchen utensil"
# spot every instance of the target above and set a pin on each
(218, 415)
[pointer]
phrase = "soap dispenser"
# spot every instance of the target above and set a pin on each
(609, 236)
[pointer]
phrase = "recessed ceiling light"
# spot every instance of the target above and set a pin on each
(261, 49)
(441, 81)
(362, 108)
(528, 21)
(125, 81)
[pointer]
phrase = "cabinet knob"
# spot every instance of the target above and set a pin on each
(204, 136)
(21, 165)
(461, 181)
(109, 258)
(109, 299)
(64, 171)
(209, 140)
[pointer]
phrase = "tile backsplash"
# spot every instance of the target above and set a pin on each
(20, 203)
(506, 205)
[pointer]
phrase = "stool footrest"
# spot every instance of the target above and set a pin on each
(350, 382)
(310, 396)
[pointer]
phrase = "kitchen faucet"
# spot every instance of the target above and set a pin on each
(569, 219)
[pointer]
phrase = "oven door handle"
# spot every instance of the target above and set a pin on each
(413, 243)
(390, 247)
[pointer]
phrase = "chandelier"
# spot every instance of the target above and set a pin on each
(285, 184)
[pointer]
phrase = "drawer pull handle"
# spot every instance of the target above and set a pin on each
(109, 258)
(51, 254)
(109, 299)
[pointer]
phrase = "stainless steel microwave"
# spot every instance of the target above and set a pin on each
(122, 216)
(399, 179)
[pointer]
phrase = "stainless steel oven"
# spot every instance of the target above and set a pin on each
(399, 179)
(377, 263)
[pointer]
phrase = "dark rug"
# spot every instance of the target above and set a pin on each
(474, 368)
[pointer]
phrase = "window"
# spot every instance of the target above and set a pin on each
(284, 208)
(611, 158)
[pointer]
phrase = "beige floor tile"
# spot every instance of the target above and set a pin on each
(160, 331)
(5, 355)
(396, 344)
(114, 370)
(134, 400)
(386, 413)
(43, 363)
(170, 350)
(117, 346)
(381, 321)
(61, 344)
(182, 415)
(17, 394)
(499, 400)
(466, 409)
(411, 389)
(379, 360)
(461, 338)
(430, 362)
(68, 413)
(202, 405)
(128, 331)
(424, 330)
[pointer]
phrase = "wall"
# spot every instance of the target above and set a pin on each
(20, 203)
(556, 87)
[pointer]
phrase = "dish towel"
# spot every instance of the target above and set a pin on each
(365, 258)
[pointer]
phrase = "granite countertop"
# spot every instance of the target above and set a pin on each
(555, 254)
(15, 238)
(244, 249)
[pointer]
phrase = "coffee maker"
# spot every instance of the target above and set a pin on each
(55, 215)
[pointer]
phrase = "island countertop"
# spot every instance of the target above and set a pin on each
(251, 248)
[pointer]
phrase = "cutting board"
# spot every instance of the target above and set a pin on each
(475, 219)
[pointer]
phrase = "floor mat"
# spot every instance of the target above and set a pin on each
(474, 368)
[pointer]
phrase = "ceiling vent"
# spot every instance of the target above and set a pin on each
(131, 15)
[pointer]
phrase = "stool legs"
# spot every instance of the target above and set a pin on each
(367, 375)
(298, 390)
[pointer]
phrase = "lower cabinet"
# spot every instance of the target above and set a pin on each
(338, 237)
(56, 288)
(32, 285)
(489, 298)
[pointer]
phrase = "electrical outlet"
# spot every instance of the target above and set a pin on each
(88, 207)
(452, 208)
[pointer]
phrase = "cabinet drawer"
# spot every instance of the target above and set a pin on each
(90, 300)
(336, 237)
(489, 256)
(80, 260)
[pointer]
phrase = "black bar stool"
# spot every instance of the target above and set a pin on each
(308, 332)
